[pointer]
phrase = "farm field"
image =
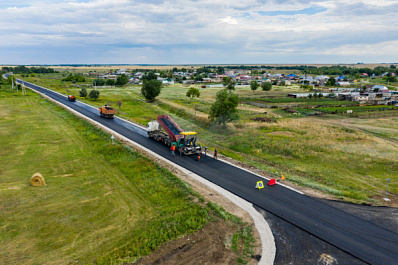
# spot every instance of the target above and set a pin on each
(102, 203)
(321, 153)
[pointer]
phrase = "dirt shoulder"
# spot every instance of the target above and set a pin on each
(206, 246)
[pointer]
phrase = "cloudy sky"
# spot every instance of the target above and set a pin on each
(198, 31)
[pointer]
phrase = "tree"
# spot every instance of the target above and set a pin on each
(83, 92)
(11, 79)
(99, 82)
(151, 89)
(254, 85)
(229, 83)
(266, 86)
(220, 70)
(224, 109)
(122, 80)
(150, 76)
(110, 82)
(193, 92)
(331, 81)
(390, 79)
(199, 78)
(94, 94)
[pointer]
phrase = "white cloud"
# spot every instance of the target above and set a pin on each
(228, 20)
(188, 31)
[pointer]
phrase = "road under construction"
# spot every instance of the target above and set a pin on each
(363, 240)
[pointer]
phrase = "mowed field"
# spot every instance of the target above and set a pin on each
(333, 154)
(102, 203)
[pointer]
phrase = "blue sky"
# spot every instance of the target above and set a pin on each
(198, 32)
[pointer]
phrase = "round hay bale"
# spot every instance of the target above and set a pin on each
(37, 180)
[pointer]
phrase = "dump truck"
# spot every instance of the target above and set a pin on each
(72, 98)
(172, 134)
(107, 112)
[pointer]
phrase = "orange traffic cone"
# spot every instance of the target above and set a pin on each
(271, 182)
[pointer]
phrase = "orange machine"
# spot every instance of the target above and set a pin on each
(107, 112)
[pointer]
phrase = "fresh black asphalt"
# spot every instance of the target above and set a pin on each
(368, 242)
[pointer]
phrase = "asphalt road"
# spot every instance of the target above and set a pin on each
(365, 241)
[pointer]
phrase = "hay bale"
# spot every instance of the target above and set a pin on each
(37, 180)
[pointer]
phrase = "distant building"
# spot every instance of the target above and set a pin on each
(343, 83)
(114, 77)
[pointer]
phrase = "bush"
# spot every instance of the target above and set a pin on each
(74, 78)
(83, 92)
(306, 87)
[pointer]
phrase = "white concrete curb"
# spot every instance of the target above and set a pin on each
(267, 238)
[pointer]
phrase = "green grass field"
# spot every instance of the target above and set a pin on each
(103, 203)
(321, 153)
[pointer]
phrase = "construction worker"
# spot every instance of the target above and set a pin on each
(173, 148)
(198, 157)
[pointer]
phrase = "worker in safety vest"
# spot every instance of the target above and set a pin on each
(173, 148)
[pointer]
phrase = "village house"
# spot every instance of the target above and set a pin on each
(343, 83)
(113, 77)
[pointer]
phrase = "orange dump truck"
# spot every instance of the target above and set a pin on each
(107, 112)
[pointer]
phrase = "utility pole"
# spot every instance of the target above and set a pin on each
(386, 198)
(23, 88)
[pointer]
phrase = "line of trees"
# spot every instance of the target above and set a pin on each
(27, 70)
(74, 78)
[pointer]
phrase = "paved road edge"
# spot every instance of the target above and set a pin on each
(268, 246)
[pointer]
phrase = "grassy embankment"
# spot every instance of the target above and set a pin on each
(310, 151)
(102, 204)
